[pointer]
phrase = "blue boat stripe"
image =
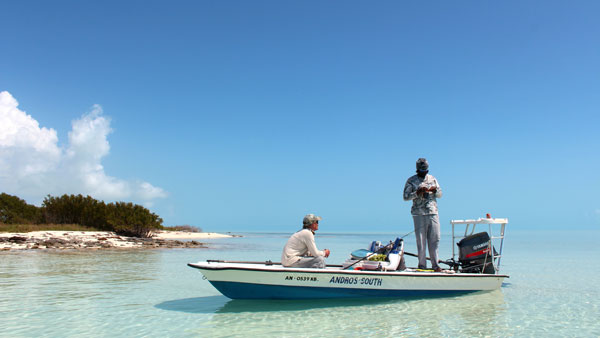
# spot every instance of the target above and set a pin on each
(236, 290)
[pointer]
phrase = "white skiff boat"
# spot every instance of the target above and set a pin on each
(477, 269)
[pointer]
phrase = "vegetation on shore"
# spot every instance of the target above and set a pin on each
(186, 228)
(77, 213)
(20, 228)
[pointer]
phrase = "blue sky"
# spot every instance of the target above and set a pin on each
(246, 115)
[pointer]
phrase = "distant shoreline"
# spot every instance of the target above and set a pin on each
(57, 239)
(189, 235)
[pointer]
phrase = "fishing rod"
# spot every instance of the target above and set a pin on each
(407, 234)
(449, 262)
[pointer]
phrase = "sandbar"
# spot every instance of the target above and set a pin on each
(188, 235)
(101, 240)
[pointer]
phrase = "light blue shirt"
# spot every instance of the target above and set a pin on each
(426, 205)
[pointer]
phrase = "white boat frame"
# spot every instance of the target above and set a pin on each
(470, 226)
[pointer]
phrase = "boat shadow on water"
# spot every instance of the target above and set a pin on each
(222, 304)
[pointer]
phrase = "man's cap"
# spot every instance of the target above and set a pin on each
(311, 218)
(422, 164)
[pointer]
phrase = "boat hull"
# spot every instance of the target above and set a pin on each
(260, 281)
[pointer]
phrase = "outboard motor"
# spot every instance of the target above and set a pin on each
(475, 254)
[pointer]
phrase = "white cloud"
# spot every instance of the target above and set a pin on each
(32, 164)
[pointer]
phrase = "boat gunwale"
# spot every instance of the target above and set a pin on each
(220, 267)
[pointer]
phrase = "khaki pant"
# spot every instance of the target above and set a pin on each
(310, 262)
(427, 232)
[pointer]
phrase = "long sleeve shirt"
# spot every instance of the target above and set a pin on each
(427, 204)
(302, 243)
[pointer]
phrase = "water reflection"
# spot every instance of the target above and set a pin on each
(246, 305)
(209, 304)
(477, 314)
(222, 304)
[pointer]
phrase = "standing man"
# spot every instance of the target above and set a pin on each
(423, 189)
(300, 250)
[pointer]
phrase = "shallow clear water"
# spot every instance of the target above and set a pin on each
(552, 292)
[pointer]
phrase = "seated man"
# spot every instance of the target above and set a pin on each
(300, 250)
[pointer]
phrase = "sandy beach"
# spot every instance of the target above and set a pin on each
(188, 235)
(101, 240)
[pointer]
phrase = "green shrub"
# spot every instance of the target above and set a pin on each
(75, 209)
(126, 219)
(14, 210)
(133, 220)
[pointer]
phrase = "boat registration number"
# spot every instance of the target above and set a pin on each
(302, 278)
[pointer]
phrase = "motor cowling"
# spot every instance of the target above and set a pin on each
(475, 254)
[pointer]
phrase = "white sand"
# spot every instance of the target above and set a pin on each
(187, 235)
(95, 239)
(83, 236)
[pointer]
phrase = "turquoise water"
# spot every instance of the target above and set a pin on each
(552, 292)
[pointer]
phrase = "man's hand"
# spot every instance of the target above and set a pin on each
(327, 252)
(421, 191)
(432, 190)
